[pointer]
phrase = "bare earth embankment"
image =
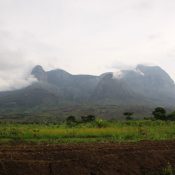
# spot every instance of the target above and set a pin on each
(88, 159)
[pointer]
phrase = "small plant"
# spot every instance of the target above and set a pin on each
(168, 170)
(35, 133)
(3, 132)
(100, 123)
(142, 131)
(14, 133)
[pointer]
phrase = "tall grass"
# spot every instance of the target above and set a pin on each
(105, 131)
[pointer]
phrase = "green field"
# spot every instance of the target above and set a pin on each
(97, 131)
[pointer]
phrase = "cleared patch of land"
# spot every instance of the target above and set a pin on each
(141, 158)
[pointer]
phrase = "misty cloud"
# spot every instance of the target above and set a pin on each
(15, 68)
(14, 82)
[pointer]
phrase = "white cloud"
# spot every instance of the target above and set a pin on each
(13, 81)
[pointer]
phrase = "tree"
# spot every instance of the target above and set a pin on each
(128, 115)
(89, 118)
(159, 113)
(71, 120)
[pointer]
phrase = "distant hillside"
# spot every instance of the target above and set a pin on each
(144, 86)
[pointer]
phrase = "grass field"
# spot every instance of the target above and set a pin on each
(97, 131)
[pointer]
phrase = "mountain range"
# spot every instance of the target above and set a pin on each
(144, 86)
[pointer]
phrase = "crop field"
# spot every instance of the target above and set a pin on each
(97, 131)
(145, 147)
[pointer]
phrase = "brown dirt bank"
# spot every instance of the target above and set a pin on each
(147, 158)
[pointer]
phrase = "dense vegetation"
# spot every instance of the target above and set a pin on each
(95, 131)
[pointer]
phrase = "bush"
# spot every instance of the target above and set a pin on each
(128, 115)
(71, 121)
(159, 113)
(89, 118)
(101, 123)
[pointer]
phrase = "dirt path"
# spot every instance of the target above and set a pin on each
(147, 158)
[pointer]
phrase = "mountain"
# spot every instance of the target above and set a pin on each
(150, 82)
(142, 87)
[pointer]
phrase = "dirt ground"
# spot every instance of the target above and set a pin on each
(147, 158)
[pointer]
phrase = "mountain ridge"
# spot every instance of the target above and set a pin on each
(149, 84)
(143, 86)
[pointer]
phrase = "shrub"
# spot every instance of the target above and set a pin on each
(159, 113)
(89, 118)
(168, 170)
(71, 121)
(101, 123)
(128, 115)
(35, 132)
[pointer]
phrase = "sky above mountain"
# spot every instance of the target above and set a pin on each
(84, 36)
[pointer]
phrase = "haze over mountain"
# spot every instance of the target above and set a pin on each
(144, 85)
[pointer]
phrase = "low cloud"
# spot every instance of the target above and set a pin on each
(12, 82)
(119, 68)
(14, 70)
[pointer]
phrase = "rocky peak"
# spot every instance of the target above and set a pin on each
(39, 73)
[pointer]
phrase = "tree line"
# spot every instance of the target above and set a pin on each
(158, 113)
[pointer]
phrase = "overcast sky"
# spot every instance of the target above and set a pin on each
(84, 36)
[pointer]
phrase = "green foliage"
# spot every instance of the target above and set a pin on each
(128, 115)
(159, 113)
(101, 123)
(35, 133)
(168, 170)
(89, 118)
(142, 131)
(96, 131)
(71, 121)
